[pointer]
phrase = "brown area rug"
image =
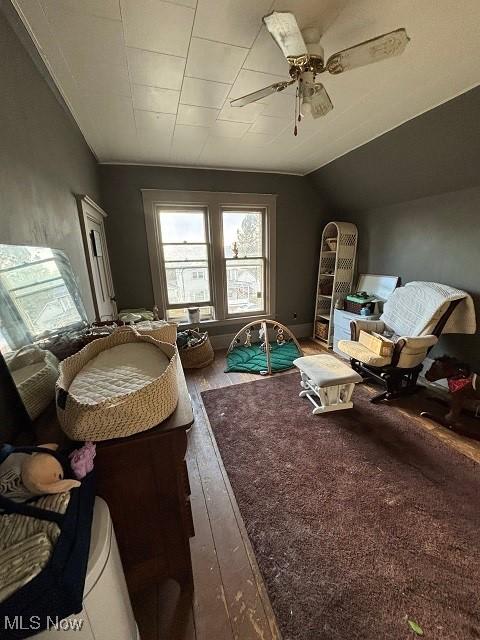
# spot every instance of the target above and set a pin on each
(360, 519)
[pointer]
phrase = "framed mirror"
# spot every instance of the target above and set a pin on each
(39, 300)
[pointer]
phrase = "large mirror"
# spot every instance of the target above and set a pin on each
(39, 300)
(39, 295)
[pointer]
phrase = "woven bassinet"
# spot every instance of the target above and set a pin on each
(126, 414)
(158, 329)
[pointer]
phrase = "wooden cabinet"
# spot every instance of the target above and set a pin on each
(144, 480)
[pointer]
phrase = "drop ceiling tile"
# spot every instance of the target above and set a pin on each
(214, 60)
(186, 135)
(155, 123)
(84, 39)
(204, 93)
(197, 116)
(104, 78)
(266, 56)
(267, 124)
(257, 139)
(157, 26)
(226, 129)
(99, 8)
(236, 22)
(155, 69)
(187, 143)
(217, 148)
(248, 113)
(111, 114)
(155, 99)
(280, 105)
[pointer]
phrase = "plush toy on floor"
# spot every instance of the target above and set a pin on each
(24, 475)
(463, 385)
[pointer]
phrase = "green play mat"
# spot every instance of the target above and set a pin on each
(253, 360)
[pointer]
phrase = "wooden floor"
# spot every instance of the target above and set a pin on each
(230, 601)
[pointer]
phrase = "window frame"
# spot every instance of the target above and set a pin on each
(163, 271)
(214, 203)
(264, 213)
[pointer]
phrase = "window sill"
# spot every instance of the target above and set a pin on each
(228, 322)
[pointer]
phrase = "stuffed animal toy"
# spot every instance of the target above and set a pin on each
(81, 460)
(24, 475)
(463, 385)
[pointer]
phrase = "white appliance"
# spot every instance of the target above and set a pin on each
(381, 287)
(107, 612)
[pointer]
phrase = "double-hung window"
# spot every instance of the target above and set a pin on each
(184, 252)
(244, 260)
(215, 251)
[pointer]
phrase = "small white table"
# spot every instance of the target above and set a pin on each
(327, 379)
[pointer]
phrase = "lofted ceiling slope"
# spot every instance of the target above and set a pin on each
(149, 81)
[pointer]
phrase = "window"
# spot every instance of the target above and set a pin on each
(244, 261)
(184, 253)
(215, 251)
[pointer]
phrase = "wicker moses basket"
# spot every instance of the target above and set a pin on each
(126, 413)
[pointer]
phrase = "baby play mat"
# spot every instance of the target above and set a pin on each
(264, 356)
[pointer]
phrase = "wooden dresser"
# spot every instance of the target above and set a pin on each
(144, 480)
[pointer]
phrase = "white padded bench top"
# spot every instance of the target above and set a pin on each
(326, 371)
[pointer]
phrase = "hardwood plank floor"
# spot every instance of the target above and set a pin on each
(230, 601)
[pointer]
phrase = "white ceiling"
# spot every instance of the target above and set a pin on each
(149, 81)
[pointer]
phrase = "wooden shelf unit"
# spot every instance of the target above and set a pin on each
(340, 265)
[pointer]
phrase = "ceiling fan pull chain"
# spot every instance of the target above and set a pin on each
(295, 130)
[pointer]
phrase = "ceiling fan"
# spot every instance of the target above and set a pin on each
(304, 54)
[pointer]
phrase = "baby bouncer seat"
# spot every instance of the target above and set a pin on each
(413, 317)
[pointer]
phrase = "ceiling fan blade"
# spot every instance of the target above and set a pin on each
(385, 46)
(261, 93)
(285, 31)
(317, 97)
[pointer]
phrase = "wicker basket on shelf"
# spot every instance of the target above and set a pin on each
(321, 330)
(199, 355)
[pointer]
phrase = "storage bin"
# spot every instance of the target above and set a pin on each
(198, 356)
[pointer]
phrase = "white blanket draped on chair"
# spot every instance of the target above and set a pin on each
(416, 308)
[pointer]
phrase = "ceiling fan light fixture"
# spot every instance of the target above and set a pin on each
(305, 56)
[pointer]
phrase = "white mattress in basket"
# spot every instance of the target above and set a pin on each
(116, 371)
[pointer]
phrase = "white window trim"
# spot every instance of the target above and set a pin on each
(213, 201)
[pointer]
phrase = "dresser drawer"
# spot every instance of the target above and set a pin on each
(342, 319)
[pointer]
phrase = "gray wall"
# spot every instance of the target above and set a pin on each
(44, 159)
(300, 217)
(414, 194)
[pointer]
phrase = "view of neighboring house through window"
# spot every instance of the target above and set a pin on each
(36, 296)
(243, 243)
(211, 250)
(186, 261)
